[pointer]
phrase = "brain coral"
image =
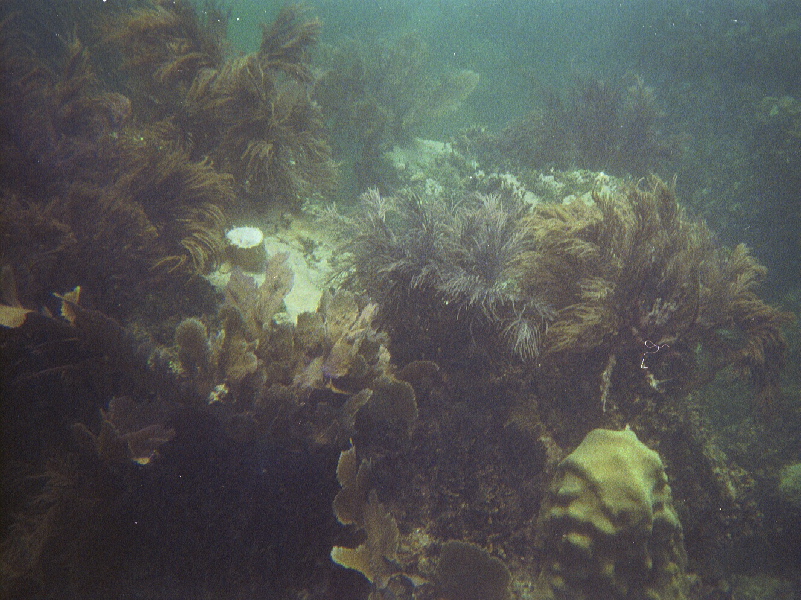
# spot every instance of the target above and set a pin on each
(607, 528)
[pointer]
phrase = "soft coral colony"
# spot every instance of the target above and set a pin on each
(153, 129)
(125, 144)
(634, 279)
(613, 309)
(583, 291)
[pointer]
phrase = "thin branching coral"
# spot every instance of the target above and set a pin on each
(74, 148)
(59, 122)
(164, 46)
(644, 294)
(185, 198)
(489, 238)
(132, 238)
(255, 117)
(444, 271)
(252, 115)
(268, 132)
(285, 44)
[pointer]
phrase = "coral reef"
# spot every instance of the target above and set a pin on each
(12, 313)
(59, 120)
(382, 541)
(186, 198)
(608, 528)
(126, 243)
(451, 456)
(119, 441)
(165, 437)
(623, 264)
(157, 155)
(252, 114)
(635, 295)
(248, 381)
(778, 134)
(100, 524)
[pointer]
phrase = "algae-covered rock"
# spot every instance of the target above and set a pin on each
(468, 572)
(608, 528)
(790, 484)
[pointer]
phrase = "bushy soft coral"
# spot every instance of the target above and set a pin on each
(644, 295)
(445, 271)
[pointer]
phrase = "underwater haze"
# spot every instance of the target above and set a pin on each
(400, 300)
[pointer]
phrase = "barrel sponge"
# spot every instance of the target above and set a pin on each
(607, 528)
